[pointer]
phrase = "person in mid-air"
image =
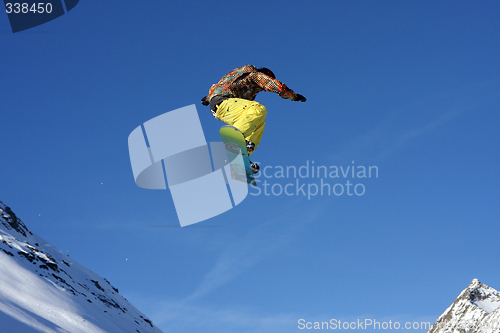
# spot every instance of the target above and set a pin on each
(231, 100)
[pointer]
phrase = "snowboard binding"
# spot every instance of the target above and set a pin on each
(255, 167)
(250, 146)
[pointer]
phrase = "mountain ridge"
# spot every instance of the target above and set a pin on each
(44, 290)
(476, 309)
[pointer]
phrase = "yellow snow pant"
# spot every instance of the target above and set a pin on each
(247, 116)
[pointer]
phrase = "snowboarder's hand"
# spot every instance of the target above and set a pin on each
(300, 98)
(205, 101)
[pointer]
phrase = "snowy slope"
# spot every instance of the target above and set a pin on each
(491, 324)
(476, 309)
(44, 290)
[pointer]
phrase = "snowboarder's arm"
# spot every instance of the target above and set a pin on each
(272, 85)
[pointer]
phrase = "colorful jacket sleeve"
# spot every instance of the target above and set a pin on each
(272, 85)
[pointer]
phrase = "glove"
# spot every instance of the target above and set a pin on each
(205, 101)
(300, 98)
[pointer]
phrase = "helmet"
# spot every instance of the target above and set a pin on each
(266, 71)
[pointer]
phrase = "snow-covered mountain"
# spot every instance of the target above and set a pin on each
(476, 309)
(44, 290)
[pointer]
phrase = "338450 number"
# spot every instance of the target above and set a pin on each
(37, 8)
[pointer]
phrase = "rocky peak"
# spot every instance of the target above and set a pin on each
(11, 221)
(469, 311)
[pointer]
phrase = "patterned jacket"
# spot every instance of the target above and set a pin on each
(246, 82)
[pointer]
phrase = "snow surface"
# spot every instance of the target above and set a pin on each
(44, 290)
(490, 303)
(491, 324)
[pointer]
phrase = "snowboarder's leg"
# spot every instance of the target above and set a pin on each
(256, 135)
(247, 116)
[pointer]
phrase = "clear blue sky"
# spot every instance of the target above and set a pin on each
(411, 87)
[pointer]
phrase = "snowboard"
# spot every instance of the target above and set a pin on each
(235, 145)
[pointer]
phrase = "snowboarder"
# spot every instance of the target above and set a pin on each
(231, 100)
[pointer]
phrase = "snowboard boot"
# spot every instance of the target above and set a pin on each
(250, 149)
(250, 146)
(255, 167)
